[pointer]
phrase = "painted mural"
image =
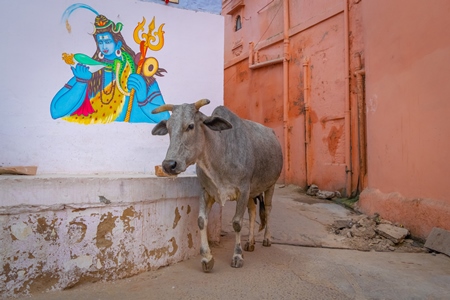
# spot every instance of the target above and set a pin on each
(115, 84)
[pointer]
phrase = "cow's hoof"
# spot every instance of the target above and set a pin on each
(249, 247)
(207, 265)
(267, 243)
(237, 262)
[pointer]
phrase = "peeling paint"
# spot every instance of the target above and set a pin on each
(82, 262)
(177, 218)
(334, 138)
(174, 247)
(76, 232)
(20, 231)
(47, 230)
(99, 264)
(126, 217)
(372, 104)
(42, 282)
(104, 231)
(159, 252)
(51, 250)
(190, 242)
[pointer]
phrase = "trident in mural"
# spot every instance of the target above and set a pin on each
(150, 40)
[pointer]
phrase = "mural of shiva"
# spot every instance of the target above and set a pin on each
(115, 84)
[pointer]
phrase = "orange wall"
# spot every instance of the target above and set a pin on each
(407, 50)
(404, 47)
(316, 33)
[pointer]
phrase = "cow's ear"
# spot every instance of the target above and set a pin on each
(160, 128)
(217, 123)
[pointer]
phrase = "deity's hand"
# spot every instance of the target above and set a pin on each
(138, 83)
(81, 72)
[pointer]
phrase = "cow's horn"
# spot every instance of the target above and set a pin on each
(165, 107)
(201, 103)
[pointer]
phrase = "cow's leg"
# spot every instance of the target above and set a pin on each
(206, 203)
(250, 244)
(242, 201)
(268, 205)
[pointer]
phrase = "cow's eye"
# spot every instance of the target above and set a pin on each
(190, 127)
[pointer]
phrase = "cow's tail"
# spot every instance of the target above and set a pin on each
(262, 211)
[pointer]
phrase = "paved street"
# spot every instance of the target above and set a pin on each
(306, 261)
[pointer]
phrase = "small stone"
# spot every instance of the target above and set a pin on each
(104, 200)
(389, 242)
(325, 195)
(356, 219)
(384, 245)
(366, 233)
(366, 222)
(383, 221)
(312, 191)
(439, 240)
(339, 224)
(393, 233)
(349, 234)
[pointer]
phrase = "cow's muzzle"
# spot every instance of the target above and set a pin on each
(170, 167)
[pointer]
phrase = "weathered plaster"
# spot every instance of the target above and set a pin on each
(407, 90)
(419, 215)
(57, 247)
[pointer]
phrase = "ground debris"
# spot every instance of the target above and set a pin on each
(314, 190)
(394, 233)
(328, 195)
(339, 224)
(365, 233)
(439, 240)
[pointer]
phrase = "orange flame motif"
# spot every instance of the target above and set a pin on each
(154, 40)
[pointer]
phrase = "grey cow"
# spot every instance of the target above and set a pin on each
(236, 160)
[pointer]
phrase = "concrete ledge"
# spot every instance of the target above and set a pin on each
(118, 188)
(419, 216)
(56, 233)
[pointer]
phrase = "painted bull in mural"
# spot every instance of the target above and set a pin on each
(237, 160)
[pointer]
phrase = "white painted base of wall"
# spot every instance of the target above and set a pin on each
(56, 231)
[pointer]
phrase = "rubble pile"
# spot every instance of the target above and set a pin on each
(313, 190)
(365, 233)
(373, 233)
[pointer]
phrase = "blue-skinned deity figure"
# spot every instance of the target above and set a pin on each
(115, 84)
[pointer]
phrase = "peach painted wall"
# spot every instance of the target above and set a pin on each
(316, 34)
(407, 66)
(252, 94)
(405, 55)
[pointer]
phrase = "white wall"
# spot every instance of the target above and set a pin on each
(212, 6)
(33, 39)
